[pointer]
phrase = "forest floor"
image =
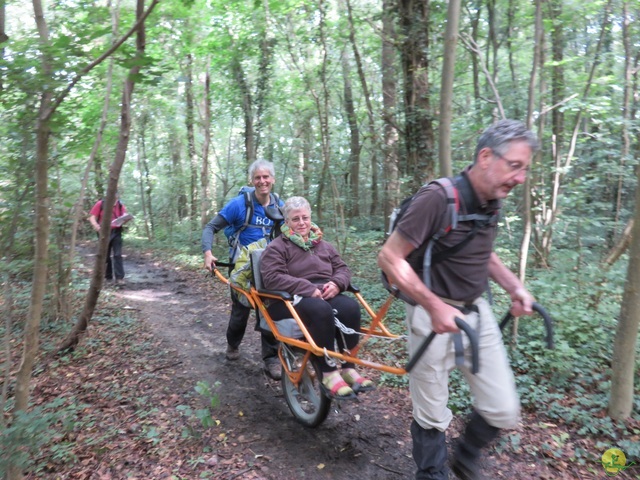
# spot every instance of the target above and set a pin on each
(135, 382)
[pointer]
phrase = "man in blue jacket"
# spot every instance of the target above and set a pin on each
(232, 218)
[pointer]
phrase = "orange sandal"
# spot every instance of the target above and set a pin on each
(356, 381)
(336, 387)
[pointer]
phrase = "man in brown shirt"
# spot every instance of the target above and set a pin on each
(457, 282)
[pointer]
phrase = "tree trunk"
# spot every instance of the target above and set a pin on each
(537, 55)
(77, 210)
(477, 96)
(419, 136)
(390, 147)
(374, 137)
(41, 257)
(322, 107)
(205, 201)
(626, 107)
(178, 188)
(191, 140)
(264, 75)
(114, 174)
(32, 326)
(3, 37)
(619, 248)
(247, 109)
(624, 351)
(511, 12)
(446, 88)
(141, 159)
(354, 150)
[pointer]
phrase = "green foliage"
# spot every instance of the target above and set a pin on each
(29, 432)
(204, 416)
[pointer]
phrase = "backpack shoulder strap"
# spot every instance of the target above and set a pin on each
(453, 205)
(248, 214)
(248, 205)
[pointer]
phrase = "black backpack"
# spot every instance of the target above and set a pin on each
(422, 257)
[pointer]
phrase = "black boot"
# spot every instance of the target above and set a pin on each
(429, 453)
(477, 435)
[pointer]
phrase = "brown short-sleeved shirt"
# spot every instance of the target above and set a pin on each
(462, 276)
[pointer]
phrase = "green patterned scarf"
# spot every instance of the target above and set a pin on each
(315, 235)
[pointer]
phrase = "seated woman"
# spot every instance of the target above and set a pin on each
(301, 263)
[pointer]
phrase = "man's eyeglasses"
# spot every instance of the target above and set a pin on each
(514, 165)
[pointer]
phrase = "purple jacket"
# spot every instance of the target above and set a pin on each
(288, 268)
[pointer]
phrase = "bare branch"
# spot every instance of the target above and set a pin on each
(58, 100)
(472, 46)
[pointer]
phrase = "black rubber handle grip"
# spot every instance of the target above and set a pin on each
(473, 343)
(548, 322)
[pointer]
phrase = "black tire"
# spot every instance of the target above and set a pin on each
(308, 402)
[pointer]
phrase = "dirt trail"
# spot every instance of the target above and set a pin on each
(368, 439)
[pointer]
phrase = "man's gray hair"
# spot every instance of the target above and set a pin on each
(295, 203)
(261, 165)
(498, 136)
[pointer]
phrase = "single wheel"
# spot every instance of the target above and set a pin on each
(307, 401)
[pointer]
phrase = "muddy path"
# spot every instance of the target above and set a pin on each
(367, 439)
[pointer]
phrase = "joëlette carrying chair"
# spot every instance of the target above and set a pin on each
(299, 354)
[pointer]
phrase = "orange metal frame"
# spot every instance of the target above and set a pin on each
(376, 327)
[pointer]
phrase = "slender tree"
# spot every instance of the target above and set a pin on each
(626, 339)
(191, 138)
(354, 150)
(624, 352)
(114, 174)
(533, 79)
(446, 88)
(206, 129)
(547, 222)
(389, 91)
(373, 135)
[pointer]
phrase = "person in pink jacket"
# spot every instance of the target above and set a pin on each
(115, 267)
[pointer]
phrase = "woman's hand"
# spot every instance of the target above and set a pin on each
(329, 290)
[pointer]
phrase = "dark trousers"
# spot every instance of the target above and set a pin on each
(115, 247)
(317, 315)
(238, 325)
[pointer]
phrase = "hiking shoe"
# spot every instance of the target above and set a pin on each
(273, 368)
(466, 471)
(120, 282)
(232, 353)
